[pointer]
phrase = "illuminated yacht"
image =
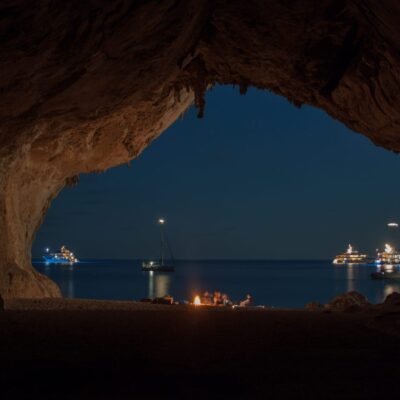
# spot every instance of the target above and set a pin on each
(388, 256)
(350, 257)
(161, 265)
(62, 256)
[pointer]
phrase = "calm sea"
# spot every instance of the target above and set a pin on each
(273, 283)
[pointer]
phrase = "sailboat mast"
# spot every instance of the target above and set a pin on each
(161, 222)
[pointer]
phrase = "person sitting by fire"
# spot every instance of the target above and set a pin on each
(207, 299)
(247, 302)
(218, 299)
(226, 300)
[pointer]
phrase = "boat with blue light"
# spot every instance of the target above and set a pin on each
(60, 257)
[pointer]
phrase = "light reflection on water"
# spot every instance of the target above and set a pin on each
(275, 283)
(350, 278)
(159, 284)
(66, 283)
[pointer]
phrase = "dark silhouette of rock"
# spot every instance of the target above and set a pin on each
(392, 299)
(1, 304)
(146, 300)
(163, 300)
(86, 86)
(351, 301)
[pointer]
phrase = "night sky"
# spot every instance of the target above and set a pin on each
(256, 178)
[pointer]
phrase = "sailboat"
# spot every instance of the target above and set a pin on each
(161, 265)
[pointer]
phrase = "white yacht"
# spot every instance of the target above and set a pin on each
(389, 256)
(350, 257)
(62, 256)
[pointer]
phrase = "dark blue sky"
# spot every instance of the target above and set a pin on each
(256, 178)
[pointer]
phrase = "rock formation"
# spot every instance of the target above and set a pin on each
(393, 299)
(350, 301)
(87, 85)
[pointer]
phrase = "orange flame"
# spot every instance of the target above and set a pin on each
(197, 301)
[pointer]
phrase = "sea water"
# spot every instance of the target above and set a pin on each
(273, 283)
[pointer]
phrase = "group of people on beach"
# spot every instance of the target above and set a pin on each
(222, 299)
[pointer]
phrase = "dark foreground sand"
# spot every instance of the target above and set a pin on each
(123, 350)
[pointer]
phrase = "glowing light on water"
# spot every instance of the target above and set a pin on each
(197, 301)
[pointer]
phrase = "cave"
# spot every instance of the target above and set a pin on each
(86, 86)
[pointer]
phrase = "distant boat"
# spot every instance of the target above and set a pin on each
(351, 257)
(388, 257)
(62, 257)
(387, 272)
(388, 262)
(161, 265)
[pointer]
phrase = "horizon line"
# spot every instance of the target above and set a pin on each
(203, 259)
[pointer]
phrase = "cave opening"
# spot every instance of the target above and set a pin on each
(86, 96)
(256, 179)
(86, 86)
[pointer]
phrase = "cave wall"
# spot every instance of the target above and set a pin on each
(86, 85)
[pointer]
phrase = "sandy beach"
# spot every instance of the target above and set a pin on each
(107, 349)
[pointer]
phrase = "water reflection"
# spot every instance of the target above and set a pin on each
(158, 284)
(65, 278)
(350, 278)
